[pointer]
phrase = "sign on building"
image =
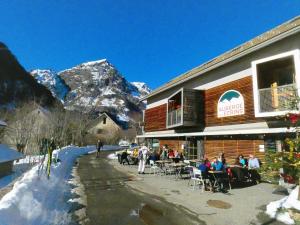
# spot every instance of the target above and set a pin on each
(231, 103)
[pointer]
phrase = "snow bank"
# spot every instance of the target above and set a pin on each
(288, 202)
(37, 200)
(112, 156)
(8, 154)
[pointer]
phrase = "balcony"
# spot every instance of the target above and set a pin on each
(275, 84)
(278, 99)
(175, 117)
(185, 108)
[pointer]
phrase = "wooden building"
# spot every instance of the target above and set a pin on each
(235, 103)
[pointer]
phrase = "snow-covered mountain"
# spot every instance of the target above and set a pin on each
(53, 82)
(95, 86)
(143, 89)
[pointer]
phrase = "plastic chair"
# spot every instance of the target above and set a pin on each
(196, 177)
(153, 167)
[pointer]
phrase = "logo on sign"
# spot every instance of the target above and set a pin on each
(231, 103)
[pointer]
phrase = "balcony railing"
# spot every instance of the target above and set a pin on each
(280, 98)
(175, 117)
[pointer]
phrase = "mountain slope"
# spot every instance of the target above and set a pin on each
(53, 82)
(16, 85)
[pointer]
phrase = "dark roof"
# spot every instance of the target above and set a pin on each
(8, 154)
(286, 28)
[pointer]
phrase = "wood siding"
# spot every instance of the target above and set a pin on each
(6, 168)
(155, 118)
(244, 86)
(233, 148)
(172, 144)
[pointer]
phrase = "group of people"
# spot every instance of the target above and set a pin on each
(144, 155)
(241, 169)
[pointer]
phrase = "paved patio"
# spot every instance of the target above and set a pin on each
(238, 206)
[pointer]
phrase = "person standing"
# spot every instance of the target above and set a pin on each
(51, 148)
(143, 152)
(99, 147)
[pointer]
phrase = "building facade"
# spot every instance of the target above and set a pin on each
(236, 103)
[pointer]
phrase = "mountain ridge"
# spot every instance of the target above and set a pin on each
(95, 86)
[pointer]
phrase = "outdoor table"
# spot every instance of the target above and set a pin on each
(217, 179)
(162, 163)
(194, 162)
(239, 172)
(178, 168)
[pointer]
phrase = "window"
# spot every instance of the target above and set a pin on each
(275, 84)
(175, 110)
(104, 120)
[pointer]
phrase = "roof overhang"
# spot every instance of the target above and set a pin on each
(224, 132)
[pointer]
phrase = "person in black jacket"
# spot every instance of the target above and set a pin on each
(99, 147)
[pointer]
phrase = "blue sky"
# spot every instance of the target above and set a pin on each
(147, 40)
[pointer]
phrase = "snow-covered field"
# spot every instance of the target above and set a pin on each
(36, 200)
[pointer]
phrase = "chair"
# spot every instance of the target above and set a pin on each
(153, 167)
(196, 177)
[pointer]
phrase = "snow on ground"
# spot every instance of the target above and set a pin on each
(36, 200)
(277, 210)
(20, 167)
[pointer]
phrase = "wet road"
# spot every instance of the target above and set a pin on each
(111, 202)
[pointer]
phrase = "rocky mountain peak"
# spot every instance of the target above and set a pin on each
(95, 86)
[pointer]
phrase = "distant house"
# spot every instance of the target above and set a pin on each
(105, 124)
(108, 127)
(7, 156)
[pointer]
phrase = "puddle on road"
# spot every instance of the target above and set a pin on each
(218, 204)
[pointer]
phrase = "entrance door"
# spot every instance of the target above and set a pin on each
(194, 148)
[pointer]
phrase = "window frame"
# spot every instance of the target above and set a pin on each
(167, 119)
(296, 56)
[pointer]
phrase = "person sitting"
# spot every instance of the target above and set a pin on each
(242, 160)
(217, 165)
(237, 170)
(222, 159)
(253, 162)
(207, 163)
(253, 165)
(176, 156)
(124, 157)
(181, 156)
(171, 154)
(152, 156)
(203, 168)
(164, 153)
(237, 162)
